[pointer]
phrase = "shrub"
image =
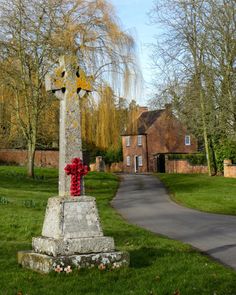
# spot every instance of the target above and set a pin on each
(113, 156)
(225, 150)
(193, 159)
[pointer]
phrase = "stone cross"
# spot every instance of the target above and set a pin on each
(68, 82)
(72, 234)
(77, 170)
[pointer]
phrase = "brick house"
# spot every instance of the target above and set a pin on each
(158, 133)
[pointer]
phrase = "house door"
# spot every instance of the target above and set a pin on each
(161, 163)
(135, 164)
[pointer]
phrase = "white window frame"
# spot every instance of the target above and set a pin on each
(127, 140)
(140, 140)
(140, 161)
(187, 140)
(128, 161)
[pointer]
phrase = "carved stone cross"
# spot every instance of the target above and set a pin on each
(77, 170)
(68, 82)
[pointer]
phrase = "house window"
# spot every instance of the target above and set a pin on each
(187, 140)
(140, 161)
(127, 140)
(139, 140)
(128, 160)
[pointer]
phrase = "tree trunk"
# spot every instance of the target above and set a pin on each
(205, 135)
(214, 163)
(31, 156)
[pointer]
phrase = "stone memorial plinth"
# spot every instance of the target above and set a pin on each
(72, 235)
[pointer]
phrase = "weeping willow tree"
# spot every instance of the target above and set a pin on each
(32, 36)
(90, 29)
(107, 131)
(132, 116)
(104, 120)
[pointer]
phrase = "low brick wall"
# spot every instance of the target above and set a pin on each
(183, 166)
(42, 158)
(229, 169)
(114, 167)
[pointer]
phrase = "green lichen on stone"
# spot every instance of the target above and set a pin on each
(45, 264)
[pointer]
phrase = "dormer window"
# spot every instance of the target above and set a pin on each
(139, 140)
(187, 140)
(127, 139)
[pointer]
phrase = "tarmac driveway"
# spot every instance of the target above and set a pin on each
(143, 200)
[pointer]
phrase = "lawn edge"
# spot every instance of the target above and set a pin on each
(158, 235)
(172, 197)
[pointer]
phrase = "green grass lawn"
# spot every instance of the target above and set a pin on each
(199, 191)
(159, 266)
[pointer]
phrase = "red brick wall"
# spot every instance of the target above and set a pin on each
(116, 167)
(229, 169)
(183, 166)
(167, 135)
(42, 158)
(132, 151)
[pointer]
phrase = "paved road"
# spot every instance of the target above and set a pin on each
(143, 200)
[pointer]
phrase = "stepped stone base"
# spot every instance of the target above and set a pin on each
(59, 247)
(45, 263)
(72, 236)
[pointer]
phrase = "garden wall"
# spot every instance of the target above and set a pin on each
(42, 158)
(45, 159)
(183, 166)
(229, 169)
(114, 167)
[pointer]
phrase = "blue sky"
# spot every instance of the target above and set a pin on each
(134, 20)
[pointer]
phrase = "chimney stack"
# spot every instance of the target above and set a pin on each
(142, 109)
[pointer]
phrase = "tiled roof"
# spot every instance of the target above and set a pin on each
(144, 121)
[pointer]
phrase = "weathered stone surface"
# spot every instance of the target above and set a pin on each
(71, 218)
(81, 220)
(45, 263)
(100, 164)
(52, 226)
(34, 261)
(71, 225)
(57, 247)
(68, 81)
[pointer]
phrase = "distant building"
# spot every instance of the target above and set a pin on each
(157, 133)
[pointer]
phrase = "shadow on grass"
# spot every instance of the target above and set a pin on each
(143, 257)
(148, 256)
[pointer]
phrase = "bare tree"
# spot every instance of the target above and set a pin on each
(26, 28)
(197, 53)
(34, 33)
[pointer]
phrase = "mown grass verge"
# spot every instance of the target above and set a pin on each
(202, 192)
(159, 266)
